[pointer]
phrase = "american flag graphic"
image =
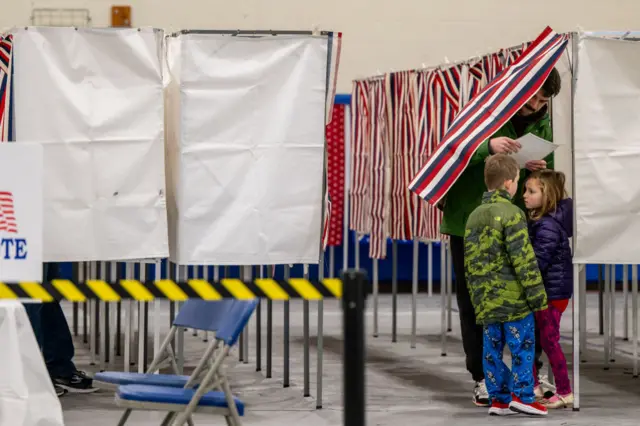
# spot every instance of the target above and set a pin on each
(7, 213)
(486, 113)
(5, 88)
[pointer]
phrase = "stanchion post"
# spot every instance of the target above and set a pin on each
(353, 305)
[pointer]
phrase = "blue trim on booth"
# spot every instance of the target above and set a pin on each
(342, 99)
(405, 267)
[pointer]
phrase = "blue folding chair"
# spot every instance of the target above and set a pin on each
(182, 403)
(196, 314)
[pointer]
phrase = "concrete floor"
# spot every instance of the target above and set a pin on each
(404, 386)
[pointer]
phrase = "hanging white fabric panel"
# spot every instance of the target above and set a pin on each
(561, 119)
(94, 98)
(247, 163)
(607, 151)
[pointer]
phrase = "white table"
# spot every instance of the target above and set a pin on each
(27, 397)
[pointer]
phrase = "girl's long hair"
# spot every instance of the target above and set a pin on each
(552, 185)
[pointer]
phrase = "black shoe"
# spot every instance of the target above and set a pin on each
(59, 391)
(79, 382)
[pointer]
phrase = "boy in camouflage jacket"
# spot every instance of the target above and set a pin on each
(506, 288)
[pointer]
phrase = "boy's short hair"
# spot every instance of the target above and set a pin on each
(499, 168)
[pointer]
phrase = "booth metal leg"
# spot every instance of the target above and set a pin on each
(612, 315)
(430, 270)
(576, 336)
(286, 349)
(270, 330)
(583, 313)
(625, 301)
(260, 273)
(414, 293)
(376, 289)
(443, 299)
(248, 276)
(449, 289)
(113, 319)
(306, 355)
(394, 291)
(607, 315)
(320, 338)
(634, 317)
(181, 274)
(600, 299)
(206, 277)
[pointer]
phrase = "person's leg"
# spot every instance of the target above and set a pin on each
(496, 372)
(34, 312)
(549, 323)
(520, 337)
(538, 361)
(57, 345)
(472, 334)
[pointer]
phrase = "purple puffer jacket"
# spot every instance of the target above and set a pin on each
(550, 238)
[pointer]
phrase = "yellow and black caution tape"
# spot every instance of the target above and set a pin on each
(294, 288)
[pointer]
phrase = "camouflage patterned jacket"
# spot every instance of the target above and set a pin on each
(501, 268)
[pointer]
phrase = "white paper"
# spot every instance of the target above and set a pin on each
(607, 152)
(247, 169)
(94, 98)
(27, 397)
(533, 148)
(20, 212)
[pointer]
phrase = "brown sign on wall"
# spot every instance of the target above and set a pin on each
(121, 16)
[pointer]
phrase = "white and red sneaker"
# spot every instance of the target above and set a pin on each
(532, 409)
(500, 409)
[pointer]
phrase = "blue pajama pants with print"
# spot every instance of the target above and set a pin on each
(502, 382)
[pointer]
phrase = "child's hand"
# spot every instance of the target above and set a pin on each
(534, 165)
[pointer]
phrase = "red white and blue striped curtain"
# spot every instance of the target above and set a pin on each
(379, 169)
(6, 113)
(360, 147)
(486, 113)
(402, 103)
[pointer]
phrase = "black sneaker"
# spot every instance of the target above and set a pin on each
(59, 391)
(79, 382)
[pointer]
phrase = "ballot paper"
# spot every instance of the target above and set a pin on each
(533, 148)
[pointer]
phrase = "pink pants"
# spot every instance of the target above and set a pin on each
(548, 323)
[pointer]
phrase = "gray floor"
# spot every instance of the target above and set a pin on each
(404, 385)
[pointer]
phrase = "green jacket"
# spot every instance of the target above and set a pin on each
(500, 266)
(465, 195)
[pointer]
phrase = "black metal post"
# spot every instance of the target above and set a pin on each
(353, 305)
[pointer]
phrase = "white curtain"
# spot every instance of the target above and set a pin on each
(94, 99)
(246, 166)
(607, 151)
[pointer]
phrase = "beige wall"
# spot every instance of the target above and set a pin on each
(379, 35)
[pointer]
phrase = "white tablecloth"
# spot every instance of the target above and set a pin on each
(27, 397)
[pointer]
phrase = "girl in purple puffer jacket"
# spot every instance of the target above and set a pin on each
(550, 228)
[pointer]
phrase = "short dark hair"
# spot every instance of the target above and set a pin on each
(552, 84)
(498, 169)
